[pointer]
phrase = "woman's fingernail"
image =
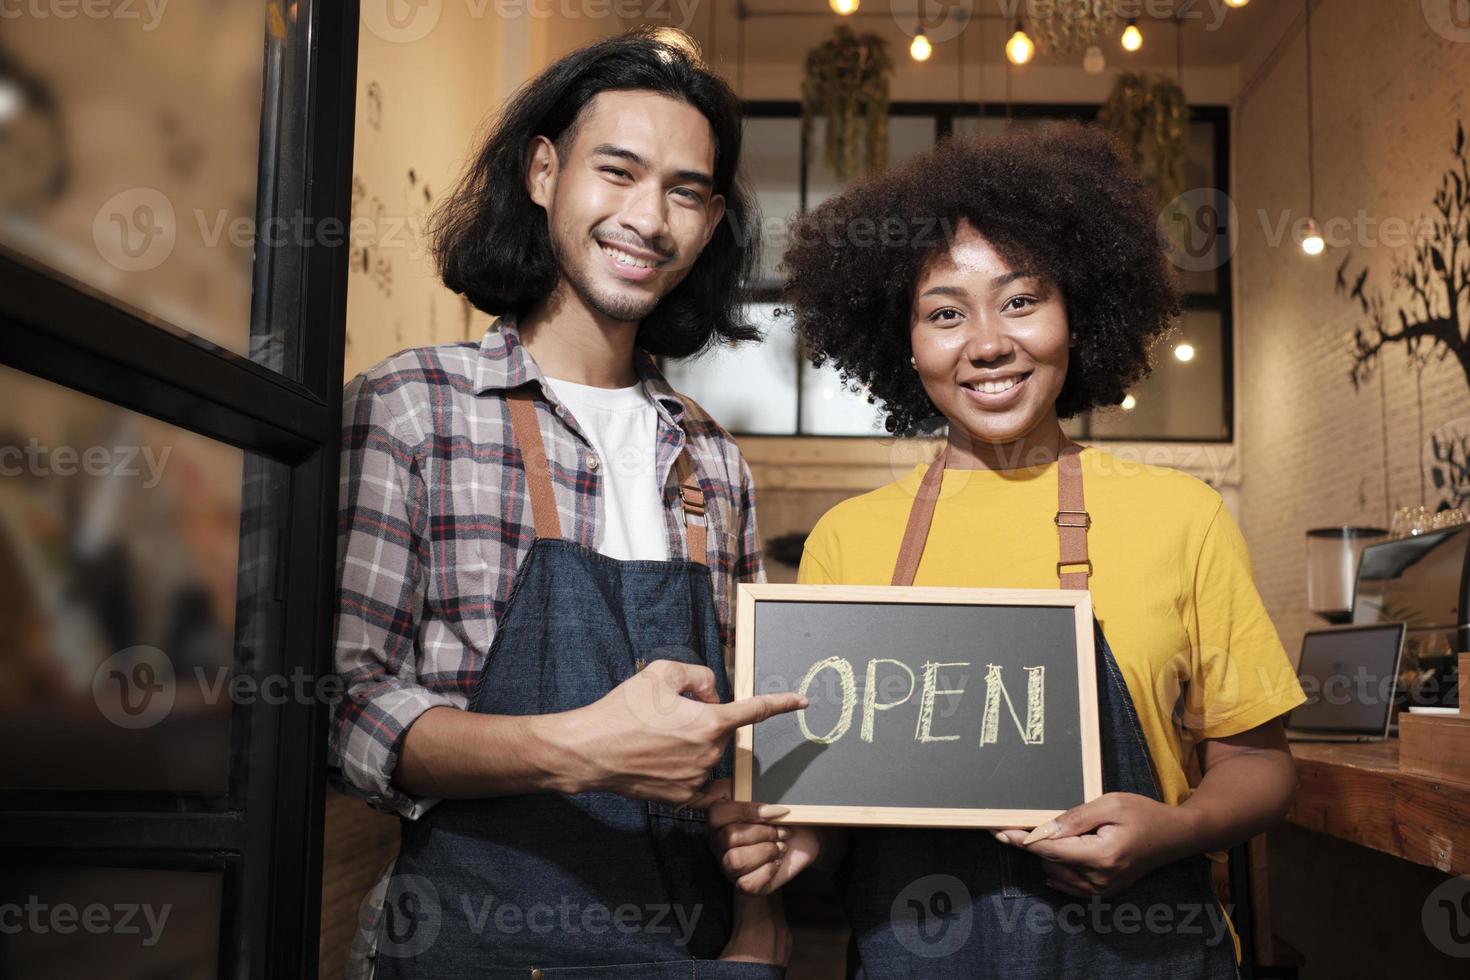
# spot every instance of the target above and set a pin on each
(769, 811)
(1000, 836)
(1042, 832)
(781, 846)
(783, 833)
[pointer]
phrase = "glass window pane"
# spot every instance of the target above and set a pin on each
(830, 408)
(1181, 399)
(128, 155)
(125, 582)
(751, 389)
(907, 137)
(119, 923)
(771, 157)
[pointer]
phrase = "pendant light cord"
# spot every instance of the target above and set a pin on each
(1311, 167)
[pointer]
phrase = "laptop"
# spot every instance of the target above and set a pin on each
(1350, 676)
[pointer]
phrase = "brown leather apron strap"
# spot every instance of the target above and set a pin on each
(1072, 521)
(522, 406)
(691, 498)
(921, 515)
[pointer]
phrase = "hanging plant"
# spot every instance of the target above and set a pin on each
(846, 82)
(1150, 115)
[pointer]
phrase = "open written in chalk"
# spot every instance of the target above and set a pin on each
(929, 707)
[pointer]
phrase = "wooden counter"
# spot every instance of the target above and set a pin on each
(1356, 791)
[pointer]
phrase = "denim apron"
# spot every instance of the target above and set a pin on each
(593, 884)
(958, 903)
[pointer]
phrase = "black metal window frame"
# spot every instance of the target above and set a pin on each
(264, 834)
(944, 115)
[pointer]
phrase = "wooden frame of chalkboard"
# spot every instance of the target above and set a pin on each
(1088, 760)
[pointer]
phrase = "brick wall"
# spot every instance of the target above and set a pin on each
(1387, 94)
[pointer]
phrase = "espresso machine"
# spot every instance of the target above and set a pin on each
(1422, 580)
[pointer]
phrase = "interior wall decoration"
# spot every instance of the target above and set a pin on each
(1425, 307)
(1150, 114)
(1447, 464)
(846, 82)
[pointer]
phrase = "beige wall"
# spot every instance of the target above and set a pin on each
(1387, 94)
(426, 91)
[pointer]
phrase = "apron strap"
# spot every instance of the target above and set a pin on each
(521, 404)
(921, 515)
(1072, 520)
(691, 498)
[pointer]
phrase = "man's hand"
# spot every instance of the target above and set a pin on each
(644, 739)
(758, 857)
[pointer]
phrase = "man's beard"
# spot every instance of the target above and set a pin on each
(626, 309)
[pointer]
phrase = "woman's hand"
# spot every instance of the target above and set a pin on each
(759, 857)
(1105, 845)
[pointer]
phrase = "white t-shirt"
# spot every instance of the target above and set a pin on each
(622, 424)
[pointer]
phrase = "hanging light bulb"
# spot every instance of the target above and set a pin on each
(920, 49)
(1093, 61)
(1236, 3)
(1020, 48)
(1312, 241)
(12, 100)
(1129, 403)
(1132, 36)
(843, 7)
(1184, 353)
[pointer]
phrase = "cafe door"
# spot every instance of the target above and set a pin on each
(174, 185)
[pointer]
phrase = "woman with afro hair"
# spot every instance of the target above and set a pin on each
(995, 287)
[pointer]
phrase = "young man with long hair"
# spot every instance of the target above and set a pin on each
(539, 544)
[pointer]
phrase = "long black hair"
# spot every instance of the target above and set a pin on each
(491, 242)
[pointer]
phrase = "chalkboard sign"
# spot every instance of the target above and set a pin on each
(929, 707)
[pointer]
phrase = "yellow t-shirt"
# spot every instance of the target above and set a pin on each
(1171, 584)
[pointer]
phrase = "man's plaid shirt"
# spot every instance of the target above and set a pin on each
(435, 519)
